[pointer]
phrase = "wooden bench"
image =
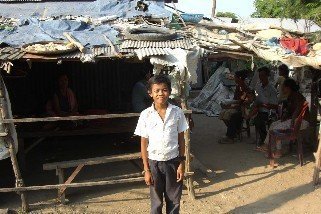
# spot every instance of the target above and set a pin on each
(79, 164)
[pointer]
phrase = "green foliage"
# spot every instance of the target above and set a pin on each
(226, 14)
(294, 9)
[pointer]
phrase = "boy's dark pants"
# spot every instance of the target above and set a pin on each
(164, 175)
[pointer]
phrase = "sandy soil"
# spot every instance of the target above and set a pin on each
(243, 183)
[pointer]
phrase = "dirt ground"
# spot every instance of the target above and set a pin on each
(243, 183)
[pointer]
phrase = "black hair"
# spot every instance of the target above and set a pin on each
(290, 83)
(285, 69)
(242, 74)
(159, 79)
(264, 69)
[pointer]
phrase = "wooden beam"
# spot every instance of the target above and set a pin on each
(91, 161)
(73, 185)
(73, 118)
(70, 179)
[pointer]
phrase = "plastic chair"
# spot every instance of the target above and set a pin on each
(289, 135)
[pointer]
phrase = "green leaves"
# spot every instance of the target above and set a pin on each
(294, 9)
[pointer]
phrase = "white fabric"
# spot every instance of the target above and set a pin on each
(181, 59)
(279, 125)
(266, 95)
(4, 151)
(162, 135)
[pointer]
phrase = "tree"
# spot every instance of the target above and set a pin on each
(227, 14)
(294, 9)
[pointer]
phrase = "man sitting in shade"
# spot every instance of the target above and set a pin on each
(266, 103)
(140, 97)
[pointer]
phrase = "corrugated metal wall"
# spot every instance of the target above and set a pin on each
(104, 85)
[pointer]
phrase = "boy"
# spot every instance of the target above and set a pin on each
(161, 128)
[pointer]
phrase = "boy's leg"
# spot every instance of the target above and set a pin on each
(158, 187)
(173, 189)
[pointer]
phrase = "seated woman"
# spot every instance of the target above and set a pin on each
(231, 113)
(295, 101)
(63, 102)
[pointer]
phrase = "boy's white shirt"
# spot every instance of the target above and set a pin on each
(162, 136)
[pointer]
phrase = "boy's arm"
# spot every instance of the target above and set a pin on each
(143, 149)
(147, 173)
(181, 167)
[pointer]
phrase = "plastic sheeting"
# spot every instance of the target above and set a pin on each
(98, 8)
(32, 30)
(213, 94)
(182, 60)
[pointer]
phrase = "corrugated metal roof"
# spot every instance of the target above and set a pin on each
(9, 53)
(145, 52)
(181, 43)
(97, 52)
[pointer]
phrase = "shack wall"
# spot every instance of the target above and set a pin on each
(103, 85)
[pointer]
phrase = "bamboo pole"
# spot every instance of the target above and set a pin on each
(12, 151)
(72, 185)
(73, 118)
(189, 180)
(317, 155)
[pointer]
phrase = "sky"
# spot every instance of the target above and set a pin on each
(243, 8)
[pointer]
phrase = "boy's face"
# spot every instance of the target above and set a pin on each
(160, 93)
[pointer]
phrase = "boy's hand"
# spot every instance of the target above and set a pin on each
(180, 172)
(148, 178)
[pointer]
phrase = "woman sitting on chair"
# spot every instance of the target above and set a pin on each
(295, 101)
(64, 102)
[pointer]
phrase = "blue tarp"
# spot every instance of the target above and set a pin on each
(32, 30)
(121, 8)
(37, 31)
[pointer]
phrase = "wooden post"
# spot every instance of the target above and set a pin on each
(189, 180)
(317, 166)
(12, 150)
(61, 179)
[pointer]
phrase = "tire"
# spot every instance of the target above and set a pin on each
(150, 34)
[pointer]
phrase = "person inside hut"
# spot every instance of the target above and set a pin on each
(231, 113)
(294, 103)
(283, 75)
(64, 102)
(140, 97)
(266, 104)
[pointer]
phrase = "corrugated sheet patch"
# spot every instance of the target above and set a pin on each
(181, 43)
(145, 52)
(9, 53)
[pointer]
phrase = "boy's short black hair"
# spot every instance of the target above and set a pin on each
(159, 79)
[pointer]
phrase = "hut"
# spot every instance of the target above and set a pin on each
(103, 53)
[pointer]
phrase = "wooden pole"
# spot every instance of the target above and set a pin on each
(189, 180)
(73, 118)
(12, 150)
(214, 9)
(317, 166)
(72, 185)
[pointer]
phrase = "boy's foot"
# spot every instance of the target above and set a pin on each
(226, 140)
